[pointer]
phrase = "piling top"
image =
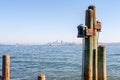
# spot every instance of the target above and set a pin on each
(91, 7)
(6, 55)
(90, 10)
(41, 76)
(102, 46)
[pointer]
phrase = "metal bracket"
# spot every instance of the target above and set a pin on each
(89, 32)
(98, 26)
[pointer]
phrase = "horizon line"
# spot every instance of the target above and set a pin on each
(76, 43)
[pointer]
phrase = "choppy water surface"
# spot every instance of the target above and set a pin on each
(56, 62)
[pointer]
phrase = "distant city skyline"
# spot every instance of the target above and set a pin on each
(43, 21)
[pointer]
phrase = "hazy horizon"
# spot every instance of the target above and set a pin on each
(53, 42)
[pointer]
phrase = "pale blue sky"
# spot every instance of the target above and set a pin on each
(41, 21)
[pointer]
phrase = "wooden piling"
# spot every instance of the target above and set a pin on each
(88, 51)
(93, 60)
(102, 63)
(95, 69)
(6, 67)
(41, 77)
(95, 44)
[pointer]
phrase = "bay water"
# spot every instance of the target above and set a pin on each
(62, 62)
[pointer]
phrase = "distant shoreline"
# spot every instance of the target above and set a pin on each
(2, 44)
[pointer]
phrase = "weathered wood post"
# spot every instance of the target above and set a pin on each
(95, 44)
(86, 32)
(90, 58)
(88, 51)
(41, 77)
(102, 63)
(6, 67)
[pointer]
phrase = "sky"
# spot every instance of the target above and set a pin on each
(42, 21)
